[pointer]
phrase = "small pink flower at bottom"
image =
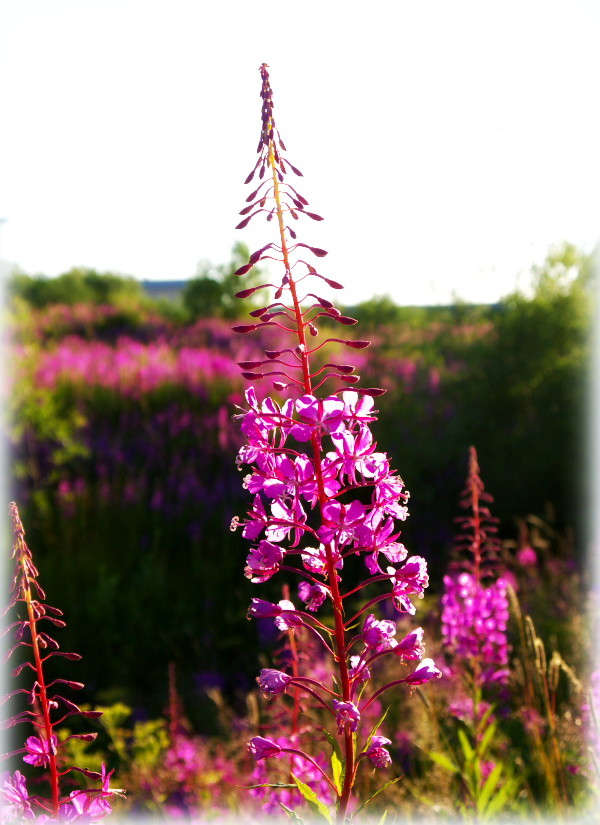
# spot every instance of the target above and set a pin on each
(376, 752)
(347, 713)
(426, 671)
(15, 799)
(262, 748)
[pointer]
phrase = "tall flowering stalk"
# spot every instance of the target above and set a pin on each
(475, 606)
(48, 709)
(323, 495)
(475, 614)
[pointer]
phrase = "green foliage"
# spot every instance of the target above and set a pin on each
(524, 393)
(211, 293)
(317, 807)
(79, 285)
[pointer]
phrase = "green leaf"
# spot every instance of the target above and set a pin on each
(376, 727)
(444, 761)
(313, 800)
(337, 762)
(266, 785)
(490, 785)
(383, 817)
(292, 814)
(373, 795)
(338, 772)
(503, 796)
(486, 739)
(466, 746)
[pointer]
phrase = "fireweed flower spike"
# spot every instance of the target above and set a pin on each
(475, 608)
(323, 495)
(48, 710)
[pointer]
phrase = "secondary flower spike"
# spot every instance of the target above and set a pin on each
(323, 496)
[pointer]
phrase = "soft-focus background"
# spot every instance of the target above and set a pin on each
(123, 447)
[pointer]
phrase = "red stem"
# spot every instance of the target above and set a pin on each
(338, 608)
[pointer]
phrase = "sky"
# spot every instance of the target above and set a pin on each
(448, 145)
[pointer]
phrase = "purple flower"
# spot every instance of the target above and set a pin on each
(16, 799)
(379, 635)
(288, 617)
(527, 556)
(341, 521)
(411, 646)
(378, 755)
(314, 559)
(38, 751)
(273, 682)
(474, 623)
(262, 748)
(326, 415)
(358, 669)
(346, 714)
(411, 577)
(426, 671)
(260, 609)
(313, 595)
(263, 561)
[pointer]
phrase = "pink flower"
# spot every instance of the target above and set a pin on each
(346, 714)
(313, 595)
(379, 635)
(426, 671)
(325, 414)
(15, 798)
(527, 556)
(263, 561)
(411, 646)
(288, 617)
(262, 748)
(273, 682)
(39, 750)
(378, 755)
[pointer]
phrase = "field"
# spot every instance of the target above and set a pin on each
(122, 441)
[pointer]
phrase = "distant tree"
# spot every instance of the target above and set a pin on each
(77, 286)
(525, 391)
(211, 292)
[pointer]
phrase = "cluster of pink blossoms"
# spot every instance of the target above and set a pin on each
(474, 624)
(284, 488)
(475, 609)
(82, 806)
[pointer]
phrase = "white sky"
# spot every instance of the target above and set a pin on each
(447, 144)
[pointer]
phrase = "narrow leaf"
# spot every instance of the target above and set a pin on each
(292, 814)
(313, 800)
(444, 761)
(466, 745)
(501, 798)
(372, 797)
(337, 769)
(489, 787)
